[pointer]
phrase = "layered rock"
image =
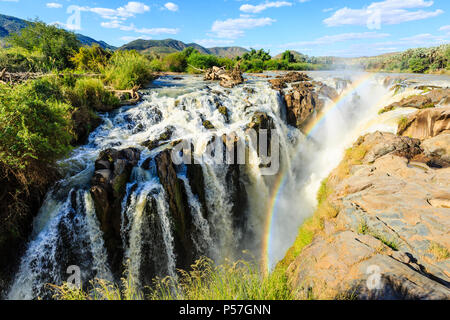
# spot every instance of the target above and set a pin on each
(113, 169)
(426, 123)
(388, 235)
(430, 99)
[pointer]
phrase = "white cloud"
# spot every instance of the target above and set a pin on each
(234, 28)
(339, 38)
(389, 12)
(171, 6)
(131, 38)
(263, 6)
(445, 28)
(116, 24)
(209, 43)
(128, 11)
(54, 5)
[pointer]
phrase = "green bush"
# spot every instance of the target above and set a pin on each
(156, 65)
(34, 124)
(91, 93)
(92, 59)
(127, 69)
(17, 59)
(55, 44)
(175, 62)
(202, 61)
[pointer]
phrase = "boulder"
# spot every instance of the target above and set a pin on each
(108, 187)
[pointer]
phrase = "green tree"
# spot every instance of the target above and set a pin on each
(57, 45)
(417, 65)
(288, 56)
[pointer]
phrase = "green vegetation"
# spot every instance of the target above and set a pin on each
(91, 59)
(390, 242)
(439, 252)
(421, 60)
(34, 123)
(127, 69)
(56, 45)
(42, 118)
(402, 124)
(206, 281)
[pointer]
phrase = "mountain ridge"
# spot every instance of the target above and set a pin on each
(167, 46)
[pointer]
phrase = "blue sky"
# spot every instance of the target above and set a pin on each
(314, 27)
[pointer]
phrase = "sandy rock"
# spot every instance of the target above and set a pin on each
(426, 123)
(393, 214)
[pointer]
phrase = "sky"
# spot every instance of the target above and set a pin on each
(346, 28)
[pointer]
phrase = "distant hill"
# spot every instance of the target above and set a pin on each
(170, 46)
(228, 52)
(9, 25)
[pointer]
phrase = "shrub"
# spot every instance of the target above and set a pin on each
(127, 69)
(202, 61)
(17, 59)
(34, 124)
(156, 65)
(93, 59)
(175, 62)
(91, 93)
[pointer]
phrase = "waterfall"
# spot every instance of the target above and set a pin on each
(68, 232)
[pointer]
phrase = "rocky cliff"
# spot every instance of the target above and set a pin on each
(382, 227)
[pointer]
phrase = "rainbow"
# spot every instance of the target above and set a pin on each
(281, 179)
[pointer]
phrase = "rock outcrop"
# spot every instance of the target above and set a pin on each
(426, 123)
(228, 79)
(388, 234)
(303, 98)
(426, 100)
(113, 169)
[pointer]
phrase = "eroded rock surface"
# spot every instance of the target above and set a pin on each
(392, 225)
(426, 123)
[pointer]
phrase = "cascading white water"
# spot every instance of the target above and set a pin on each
(68, 219)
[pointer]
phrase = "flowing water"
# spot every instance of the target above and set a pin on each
(67, 232)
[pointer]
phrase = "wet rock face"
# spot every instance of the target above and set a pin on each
(113, 169)
(178, 207)
(392, 226)
(302, 100)
(301, 104)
